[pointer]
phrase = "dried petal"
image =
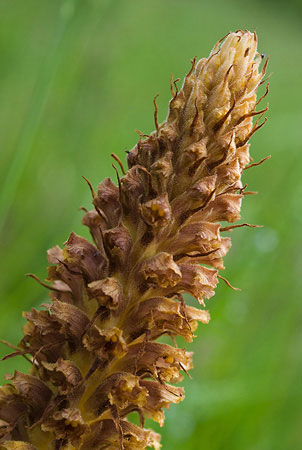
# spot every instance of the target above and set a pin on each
(161, 270)
(104, 435)
(107, 200)
(32, 390)
(119, 242)
(105, 343)
(64, 374)
(157, 360)
(96, 224)
(133, 189)
(107, 292)
(225, 207)
(160, 396)
(121, 389)
(199, 281)
(163, 315)
(79, 254)
(156, 212)
(161, 171)
(16, 445)
(71, 318)
(54, 255)
(66, 424)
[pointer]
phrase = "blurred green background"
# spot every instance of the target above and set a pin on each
(77, 77)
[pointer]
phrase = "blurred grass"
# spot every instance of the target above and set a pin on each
(76, 79)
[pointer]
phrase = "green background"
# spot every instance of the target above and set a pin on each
(76, 79)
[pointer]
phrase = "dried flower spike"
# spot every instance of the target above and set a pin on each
(93, 349)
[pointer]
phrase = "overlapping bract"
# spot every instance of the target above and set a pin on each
(93, 349)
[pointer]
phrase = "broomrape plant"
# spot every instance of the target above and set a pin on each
(93, 350)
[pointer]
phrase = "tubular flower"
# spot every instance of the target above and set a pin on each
(157, 235)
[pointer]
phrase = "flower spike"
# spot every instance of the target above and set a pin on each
(94, 348)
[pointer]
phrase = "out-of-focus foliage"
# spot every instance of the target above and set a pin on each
(76, 79)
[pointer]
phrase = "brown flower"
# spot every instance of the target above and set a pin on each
(93, 349)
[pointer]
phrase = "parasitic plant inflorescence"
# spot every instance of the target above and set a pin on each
(156, 235)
